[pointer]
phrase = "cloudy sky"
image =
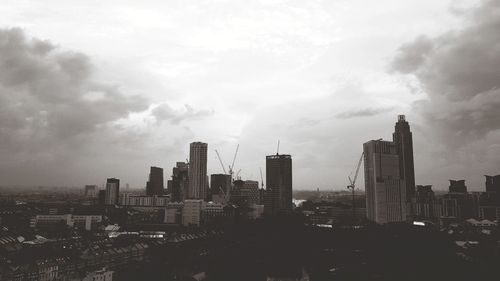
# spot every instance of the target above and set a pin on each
(93, 89)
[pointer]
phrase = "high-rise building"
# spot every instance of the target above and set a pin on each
(91, 191)
(278, 198)
(198, 183)
(245, 193)
(402, 138)
(155, 184)
(385, 190)
(493, 183)
(220, 184)
(112, 191)
(179, 182)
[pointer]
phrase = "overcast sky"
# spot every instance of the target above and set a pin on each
(93, 89)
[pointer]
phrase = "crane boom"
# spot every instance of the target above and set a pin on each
(352, 187)
(261, 178)
(234, 158)
(220, 160)
(357, 169)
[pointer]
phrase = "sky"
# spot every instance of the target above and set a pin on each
(95, 89)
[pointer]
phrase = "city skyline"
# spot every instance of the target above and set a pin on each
(323, 78)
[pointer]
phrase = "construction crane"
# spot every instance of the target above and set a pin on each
(352, 186)
(231, 168)
(221, 163)
(261, 179)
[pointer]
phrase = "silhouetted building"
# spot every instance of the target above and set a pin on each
(245, 193)
(91, 191)
(112, 191)
(180, 181)
(457, 186)
(385, 190)
(493, 183)
(457, 205)
(155, 184)
(220, 185)
(402, 138)
(198, 183)
(426, 206)
(278, 198)
(101, 197)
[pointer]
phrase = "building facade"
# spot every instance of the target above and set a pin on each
(180, 181)
(155, 185)
(112, 191)
(385, 190)
(198, 183)
(403, 139)
(278, 198)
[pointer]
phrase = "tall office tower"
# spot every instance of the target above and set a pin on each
(91, 191)
(198, 182)
(278, 198)
(180, 181)
(112, 191)
(493, 183)
(457, 186)
(385, 190)
(155, 184)
(220, 184)
(402, 138)
(245, 193)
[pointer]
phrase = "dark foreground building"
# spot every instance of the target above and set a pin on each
(155, 184)
(278, 198)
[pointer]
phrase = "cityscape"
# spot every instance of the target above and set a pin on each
(364, 141)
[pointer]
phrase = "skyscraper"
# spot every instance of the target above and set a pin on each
(198, 183)
(179, 181)
(403, 139)
(155, 184)
(385, 190)
(112, 191)
(278, 198)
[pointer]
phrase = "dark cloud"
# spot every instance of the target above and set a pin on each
(48, 94)
(59, 124)
(459, 70)
(366, 112)
(52, 111)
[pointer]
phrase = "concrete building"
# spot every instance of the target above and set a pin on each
(278, 184)
(173, 213)
(87, 222)
(385, 190)
(426, 206)
(245, 193)
(155, 185)
(112, 191)
(127, 199)
(198, 183)
(191, 213)
(91, 191)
